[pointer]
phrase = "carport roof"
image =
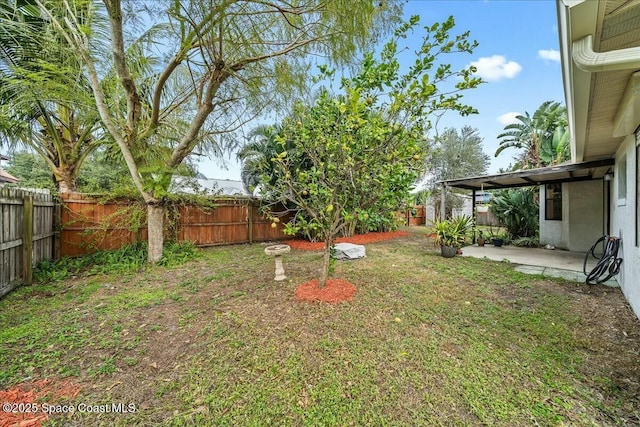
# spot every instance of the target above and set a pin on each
(569, 172)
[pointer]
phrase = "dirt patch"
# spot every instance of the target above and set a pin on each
(23, 404)
(359, 239)
(335, 291)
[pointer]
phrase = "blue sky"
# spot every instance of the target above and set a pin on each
(517, 56)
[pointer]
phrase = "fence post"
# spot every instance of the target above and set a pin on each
(57, 229)
(250, 220)
(27, 240)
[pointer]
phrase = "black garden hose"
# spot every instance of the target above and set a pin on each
(609, 263)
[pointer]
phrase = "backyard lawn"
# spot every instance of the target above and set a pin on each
(425, 341)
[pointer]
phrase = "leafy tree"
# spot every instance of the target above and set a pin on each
(45, 100)
(455, 154)
(99, 173)
(518, 210)
(104, 171)
(543, 137)
(366, 147)
(31, 170)
(222, 62)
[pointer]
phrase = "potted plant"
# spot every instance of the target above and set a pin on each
(497, 240)
(481, 240)
(451, 234)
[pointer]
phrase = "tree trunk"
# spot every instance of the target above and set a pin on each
(66, 187)
(65, 180)
(155, 222)
(326, 261)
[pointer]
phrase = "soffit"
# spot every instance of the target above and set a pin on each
(620, 28)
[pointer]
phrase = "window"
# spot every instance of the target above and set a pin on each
(553, 202)
(622, 181)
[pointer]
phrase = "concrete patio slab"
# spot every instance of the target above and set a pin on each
(553, 263)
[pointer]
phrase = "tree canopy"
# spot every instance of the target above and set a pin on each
(543, 137)
(457, 154)
(454, 154)
(45, 98)
(200, 70)
(31, 170)
(360, 151)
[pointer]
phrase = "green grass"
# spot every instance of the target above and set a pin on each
(426, 341)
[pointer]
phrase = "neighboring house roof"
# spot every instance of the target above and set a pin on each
(7, 177)
(223, 187)
(600, 53)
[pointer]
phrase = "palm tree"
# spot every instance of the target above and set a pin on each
(543, 137)
(256, 155)
(45, 101)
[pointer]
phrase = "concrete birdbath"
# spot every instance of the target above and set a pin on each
(277, 251)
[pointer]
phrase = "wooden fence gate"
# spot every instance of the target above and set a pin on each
(27, 234)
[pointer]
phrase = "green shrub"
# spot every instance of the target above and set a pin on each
(517, 210)
(125, 259)
(526, 242)
(452, 232)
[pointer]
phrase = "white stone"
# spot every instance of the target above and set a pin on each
(349, 251)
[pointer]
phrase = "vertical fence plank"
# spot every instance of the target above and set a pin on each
(250, 221)
(26, 234)
(27, 240)
(57, 229)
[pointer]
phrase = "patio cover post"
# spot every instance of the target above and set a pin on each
(442, 204)
(473, 214)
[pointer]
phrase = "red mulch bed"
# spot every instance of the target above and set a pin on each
(50, 392)
(336, 290)
(358, 239)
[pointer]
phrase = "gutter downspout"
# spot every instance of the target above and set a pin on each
(587, 60)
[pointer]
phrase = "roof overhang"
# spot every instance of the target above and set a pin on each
(570, 172)
(600, 57)
(576, 19)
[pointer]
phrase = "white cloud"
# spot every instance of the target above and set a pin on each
(508, 118)
(549, 55)
(496, 67)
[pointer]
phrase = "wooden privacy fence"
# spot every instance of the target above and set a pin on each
(414, 215)
(34, 228)
(27, 235)
(89, 224)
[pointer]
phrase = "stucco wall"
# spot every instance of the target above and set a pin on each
(585, 216)
(624, 225)
(582, 217)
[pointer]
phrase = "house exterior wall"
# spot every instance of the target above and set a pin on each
(585, 216)
(624, 222)
(582, 217)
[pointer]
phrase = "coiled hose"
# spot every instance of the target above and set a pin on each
(609, 263)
